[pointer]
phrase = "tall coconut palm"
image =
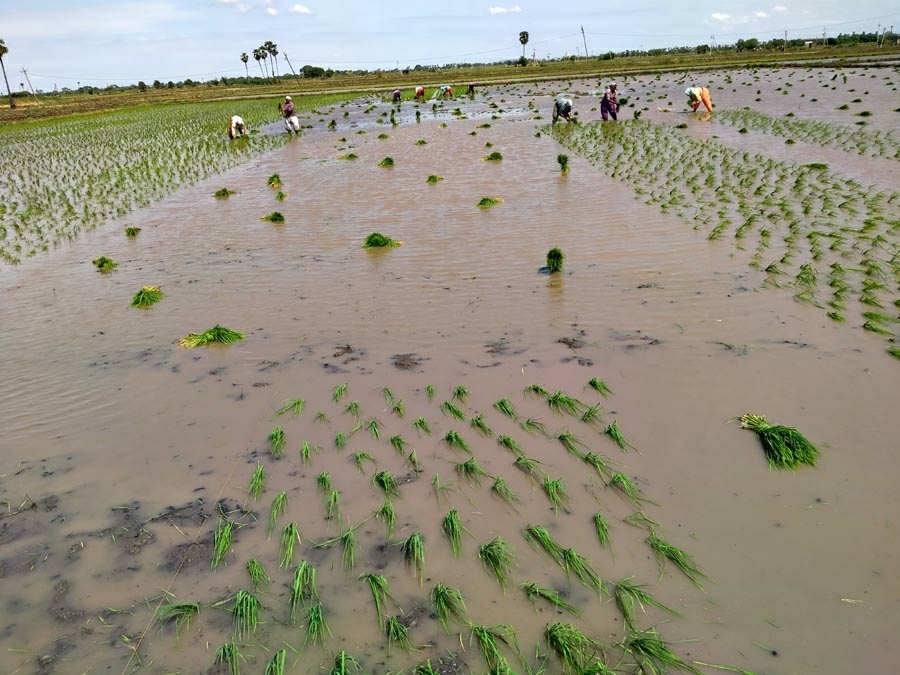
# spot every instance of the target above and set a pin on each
(257, 54)
(244, 59)
(4, 50)
(523, 38)
(272, 49)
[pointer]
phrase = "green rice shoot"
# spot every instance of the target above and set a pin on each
(575, 563)
(627, 487)
(535, 390)
(665, 551)
(539, 537)
(555, 260)
(274, 181)
(489, 639)
(599, 463)
(451, 410)
(344, 664)
(641, 519)
(429, 392)
(359, 459)
(378, 240)
(221, 540)
(448, 604)
(452, 528)
(460, 393)
(339, 392)
(600, 387)
(179, 614)
(420, 424)
(502, 490)
(147, 297)
(601, 527)
(316, 626)
(386, 514)
(630, 597)
(276, 442)
(481, 426)
(784, 447)
(556, 493)
(534, 592)
(387, 483)
(293, 406)
(290, 536)
(561, 402)
(279, 504)
(378, 585)
(245, 614)
(229, 657)
(526, 464)
(303, 586)
(258, 575)
(352, 409)
(612, 430)
(471, 471)
(488, 202)
(274, 217)
(104, 265)
(257, 482)
(132, 232)
(533, 425)
(414, 554)
(509, 443)
(397, 634)
(275, 665)
(497, 559)
(574, 649)
(217, 334)
(455, 441)
(505, 406)
(374, 427)
(570, 442)
(653, 655)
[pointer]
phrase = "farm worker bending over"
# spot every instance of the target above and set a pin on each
(609, 104)
(420, 93)
(446, 91)
(396, 96)
(236, 127)
(287, 108)
(562, 107)
(698, 95)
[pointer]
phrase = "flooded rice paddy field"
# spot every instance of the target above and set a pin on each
(124, 454)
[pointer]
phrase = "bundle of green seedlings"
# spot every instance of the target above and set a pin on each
(378, 240)
(179, 614)
(487, 202)
(274, 217)
(274, 181)
(132, 232)
(147, 297)
(223, 193)
(785, 447)
(104, 265)
(217, 334)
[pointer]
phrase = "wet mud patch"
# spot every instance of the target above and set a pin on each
(502, 347)
(634, 340)
(407, 361)
(60, 609)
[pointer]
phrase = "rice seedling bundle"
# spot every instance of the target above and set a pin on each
(487, 202)
(378, 240)
(414, 554)
(561, 402)
(665, 551)
(147, 297)
(275, 665)
(653, 655)
(398, 408)
(631, 596)
(316, 626)
(104, 265)
(258, 575)
(221, 540)
(360, 457)
(563, 161)
(378, 585)
(481, 426)
(489, 639)
(505, 406)
(217, 334)
(279, 504)
(570, 442)
(420, 424)
(555, 258)
(397, 634)
(344, 664)
(274, 181)
(573, 562)
(245, 613)
(556, 493)
(448, 604)
(223, 193)
(509, 443)
(303, 586)
(526, 464)
(599, 463)
(387, 483)
(612, 430)
(387, 162)
(591, 414)
(497, 559)
(276, 442)
(374, 427)
(641, 519)
(455, 441)
(293, 406)
(601, 527)
(386, 514)
(534, 592)
(274, 217)
(339, 392)
(574, 649)
(450, 409)
(453, 529)
(290, 536)
(179, 614)
(132, 232)
(471, 471)
(492, 157)
(460, 393)
(625, 485)
(785, 447)
(433, 179)
(539, 537)
(257, 482)
(600, 387)
(501, 489)
(229, 656)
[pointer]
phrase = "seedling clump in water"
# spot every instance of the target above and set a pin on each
(378, 240)
(216, 334)
(146, 297)
(785, 447)
(105, 265)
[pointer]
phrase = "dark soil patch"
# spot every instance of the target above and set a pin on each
(571, 343)
(406, 361)
(190, 555)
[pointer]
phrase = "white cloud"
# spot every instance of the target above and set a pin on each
(515, 9)
(779, 8)
(761, 15)
(719, 16)
(300, 9)
(271, 11)
(226, 2)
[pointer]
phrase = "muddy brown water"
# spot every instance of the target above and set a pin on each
(117, 445)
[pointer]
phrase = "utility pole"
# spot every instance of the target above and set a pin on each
(28, 80)
(784, 46)
(292, 68)
(585, 43)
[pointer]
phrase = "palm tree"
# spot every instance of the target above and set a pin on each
(523, 38)
(245, 58)
(258, 55)
(272, 49)
(263, 54)
(4, 50)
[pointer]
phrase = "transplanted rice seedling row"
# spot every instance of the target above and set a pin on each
(828, 240)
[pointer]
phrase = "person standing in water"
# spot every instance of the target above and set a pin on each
(698, 95)
(609, 104)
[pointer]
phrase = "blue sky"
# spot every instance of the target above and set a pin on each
(62, 43)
